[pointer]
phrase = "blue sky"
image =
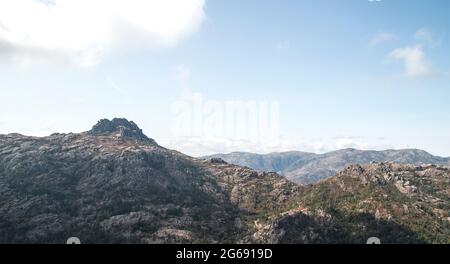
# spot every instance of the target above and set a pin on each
(350, 73)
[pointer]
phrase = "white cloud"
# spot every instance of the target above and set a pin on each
(82, 31)
(414, 59)
(414, 56)
(381, 38)
(426, 37)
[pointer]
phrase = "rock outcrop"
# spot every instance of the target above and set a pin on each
(121, 128)
(397, 203)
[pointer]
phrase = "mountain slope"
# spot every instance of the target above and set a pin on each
(307, 168)
(394, 202)
(113, 184)
(276, 162)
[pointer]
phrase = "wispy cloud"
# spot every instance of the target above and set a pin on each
(414, 59)
(381, 38)
(117, 88)
(414, 56)
(83, 31)
(426, 37)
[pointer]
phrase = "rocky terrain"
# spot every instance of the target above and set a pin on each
(395, 202)
(306, 168)
(113, 184)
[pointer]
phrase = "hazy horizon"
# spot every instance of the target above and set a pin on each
(206, 77)
(262, 153)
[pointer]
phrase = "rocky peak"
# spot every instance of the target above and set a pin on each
(119, 127)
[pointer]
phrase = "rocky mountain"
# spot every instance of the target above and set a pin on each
(308, 168)
(276, 162)
(397, 203)
(113, 184)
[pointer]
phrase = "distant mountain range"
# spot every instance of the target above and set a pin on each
(305, 168)
(113, 184)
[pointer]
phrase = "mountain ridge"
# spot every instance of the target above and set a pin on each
(306, 167)
(109, 187)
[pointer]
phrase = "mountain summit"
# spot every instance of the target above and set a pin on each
(119, 127)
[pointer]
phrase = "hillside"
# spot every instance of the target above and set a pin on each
(113, 184)
(394, 202)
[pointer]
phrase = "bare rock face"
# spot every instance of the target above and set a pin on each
(218, 160)
(121, 128)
